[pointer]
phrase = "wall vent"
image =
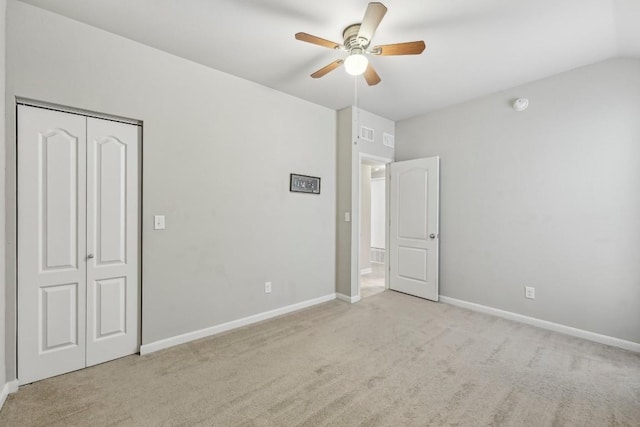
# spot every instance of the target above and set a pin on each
(377, 255)
(366, 134)
(388, 140)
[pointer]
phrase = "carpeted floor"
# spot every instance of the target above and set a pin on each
(389, 360)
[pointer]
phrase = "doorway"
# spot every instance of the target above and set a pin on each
(78, 240)
(373, 246)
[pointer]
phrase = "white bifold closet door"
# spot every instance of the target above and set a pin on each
(78, 245)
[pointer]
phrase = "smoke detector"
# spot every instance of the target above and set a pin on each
(520, 104)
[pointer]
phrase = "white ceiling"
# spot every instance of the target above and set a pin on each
(473, 47)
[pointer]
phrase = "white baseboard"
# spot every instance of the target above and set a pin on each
(544, 324)
(10, 387)
(366, 271)
(347, 298)
(213, 330)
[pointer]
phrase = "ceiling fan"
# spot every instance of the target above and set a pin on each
(357, 41)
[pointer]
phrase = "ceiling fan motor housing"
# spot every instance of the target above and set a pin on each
(351, 41)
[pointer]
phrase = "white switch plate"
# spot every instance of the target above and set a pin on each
(158, 222)
(529, 292)
(347, 217)
(267, 287)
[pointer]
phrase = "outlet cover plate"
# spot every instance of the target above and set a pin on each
(158, 222)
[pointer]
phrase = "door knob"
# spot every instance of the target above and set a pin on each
(90, 256)
(433, 236)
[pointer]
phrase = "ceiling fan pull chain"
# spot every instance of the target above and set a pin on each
(355, 101)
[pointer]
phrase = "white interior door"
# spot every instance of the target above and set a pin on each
(413, 234)
(78, 287)
(112, 240)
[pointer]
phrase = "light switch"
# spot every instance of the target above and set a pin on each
(347, 217)
(158, 222)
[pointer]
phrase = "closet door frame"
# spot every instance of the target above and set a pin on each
(11, 210)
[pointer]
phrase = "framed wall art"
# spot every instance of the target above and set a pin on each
(304, 184)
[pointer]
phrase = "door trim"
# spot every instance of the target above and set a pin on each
(11, 254)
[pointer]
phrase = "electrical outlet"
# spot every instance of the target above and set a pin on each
(529, 292)
(267, 287)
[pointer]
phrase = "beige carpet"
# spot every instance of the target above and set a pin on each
(390, 360)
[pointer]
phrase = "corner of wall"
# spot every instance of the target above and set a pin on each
(350, 149)
(343, 200)
(3, 20)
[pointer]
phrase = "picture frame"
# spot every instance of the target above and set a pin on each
(304, 184)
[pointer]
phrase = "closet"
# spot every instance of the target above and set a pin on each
(78, 241)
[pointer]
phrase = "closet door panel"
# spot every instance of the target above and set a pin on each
(51, 243)
(113, 290)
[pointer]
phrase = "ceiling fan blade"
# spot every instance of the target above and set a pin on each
(371, 76)
(372, 17)
(327, 68)
(408, 48)
(316, 40)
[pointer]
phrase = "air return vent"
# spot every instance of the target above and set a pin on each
(366, 134)
(388, 140)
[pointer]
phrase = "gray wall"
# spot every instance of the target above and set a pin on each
(218, 151)
(3, 5)
(549, 197)
(343, 229)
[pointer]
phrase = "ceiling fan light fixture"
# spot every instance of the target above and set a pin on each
(357, 41)
(356, 63)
